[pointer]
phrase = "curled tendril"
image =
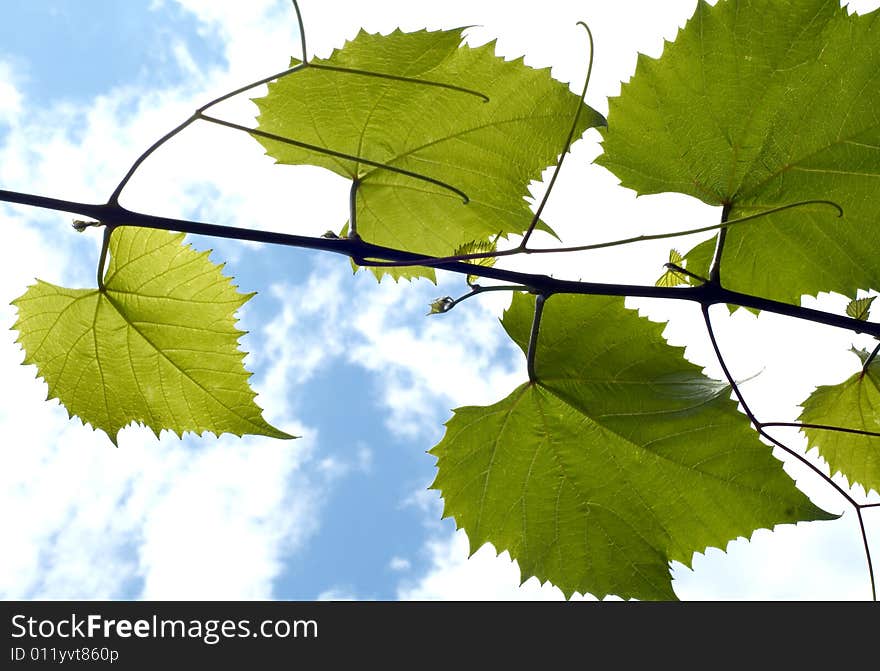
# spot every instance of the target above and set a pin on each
(338, 154)
(434, 261)
(568, 140)
(399, 78)
(302, 31)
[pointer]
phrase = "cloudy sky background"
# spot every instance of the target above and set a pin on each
(352, 366)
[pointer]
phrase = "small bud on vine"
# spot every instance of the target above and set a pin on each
(859, 308)
(441, 305)
(81, 225)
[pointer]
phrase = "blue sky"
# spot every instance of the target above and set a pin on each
(352, 366)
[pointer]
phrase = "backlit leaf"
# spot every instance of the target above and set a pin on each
(621, 458)
(478, 247)
(758, 104)
(157, 346)
(853, 404)
(489, 150)
(672, 277)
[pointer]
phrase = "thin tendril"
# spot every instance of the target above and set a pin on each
(568, 140)
(114, 197)
(337, 154)
(241, 89)
(478, 289)
(678, 234)
(410, 80)
(302, 32)
(754, 420)
(102, 260)
(867, 552)
(429, 261)
(760, 428)
(823, 427)
(533, 337)
(715, 266)
(352, 209)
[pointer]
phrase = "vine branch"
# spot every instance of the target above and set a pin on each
(706, 294)
(759, 426)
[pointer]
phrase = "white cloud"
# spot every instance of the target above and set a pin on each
(807, 561)
(10, 98)
(485, 576)
(427, 361)
(205, 518)
(227, 522)
(337, 594)
(399, 564)
(815, 561)
(812, 561)
(308, 330)
(91, 521)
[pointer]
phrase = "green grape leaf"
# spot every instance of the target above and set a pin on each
(620, 459)
(852, 405)
(478, 247)
(158, 345)
(759, 104)
(673, 278)
(858, 308)
(488, 150)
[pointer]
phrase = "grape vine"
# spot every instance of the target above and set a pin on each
(615, 456)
